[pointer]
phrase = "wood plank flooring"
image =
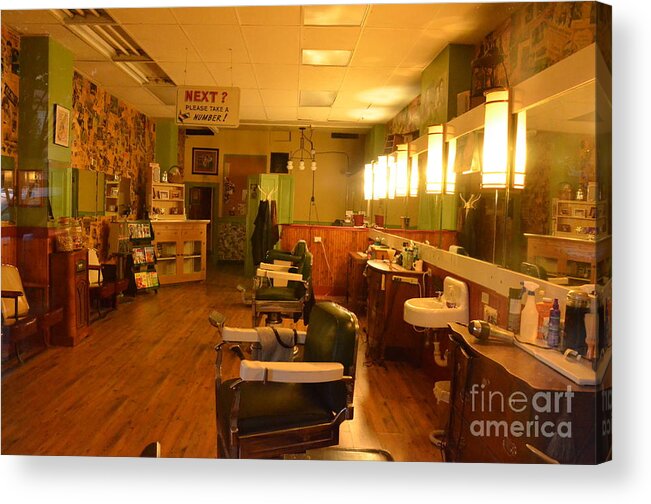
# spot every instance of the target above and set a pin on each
(146, 373)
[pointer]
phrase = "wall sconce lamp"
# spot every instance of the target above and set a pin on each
(451, 176)
(391, 175)
(368, 181)
(520, 164)
(302, 153)
(494, 173)
(414, 177)
(380, 174)
(435, 173)
(402, 170)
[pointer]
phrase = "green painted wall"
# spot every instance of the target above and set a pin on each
(46, 70)
(167, 143)
(375, 141)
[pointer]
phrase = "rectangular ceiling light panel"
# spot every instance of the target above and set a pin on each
(329, 57)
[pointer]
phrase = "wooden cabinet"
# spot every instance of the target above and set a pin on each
(586, 260)
(166, 200)
(180, 250)
(502, 399)
(70, 288)
(389, 336)
(356, 282)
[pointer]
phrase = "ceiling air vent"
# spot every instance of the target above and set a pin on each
(345, 136)
(199, 132)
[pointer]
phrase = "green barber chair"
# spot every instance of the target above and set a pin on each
(279, 408)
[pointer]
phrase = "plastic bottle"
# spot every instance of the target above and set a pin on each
(529, 316)
(543, 307)
(554, 330)
(515, 307)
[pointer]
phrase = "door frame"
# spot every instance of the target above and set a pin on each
(214, 214)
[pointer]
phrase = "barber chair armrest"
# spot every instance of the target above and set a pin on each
(276, 267)
(250, 335)
(291, 372)
(280, 275)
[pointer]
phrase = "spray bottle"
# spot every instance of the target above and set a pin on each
(529, 317)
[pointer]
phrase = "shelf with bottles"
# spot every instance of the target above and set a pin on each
(584, 220)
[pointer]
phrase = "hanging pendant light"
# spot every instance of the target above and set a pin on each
(496, 140)
(302, 153)
(434, 176)
(520, 167)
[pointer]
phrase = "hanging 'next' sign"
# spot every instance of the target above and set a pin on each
(202, 106)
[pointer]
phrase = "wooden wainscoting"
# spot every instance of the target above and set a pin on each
(9, 244)
(336, 242)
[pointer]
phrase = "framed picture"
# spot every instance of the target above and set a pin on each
(593, 212)
(205, 161)
(61, 126)
(32, 188)
(579, 212)
(163, 194)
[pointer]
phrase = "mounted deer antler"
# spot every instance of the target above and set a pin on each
(470, 203)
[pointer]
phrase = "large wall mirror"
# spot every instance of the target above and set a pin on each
(558, 225)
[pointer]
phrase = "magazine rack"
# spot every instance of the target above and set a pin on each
(141, 261)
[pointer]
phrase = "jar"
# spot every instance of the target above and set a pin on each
(64, 239)
(77, 235)
(577, 304)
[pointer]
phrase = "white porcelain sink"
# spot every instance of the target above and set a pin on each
(436, 313)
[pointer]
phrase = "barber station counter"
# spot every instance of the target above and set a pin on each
(503, 399)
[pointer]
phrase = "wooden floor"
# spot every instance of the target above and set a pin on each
(146, 373)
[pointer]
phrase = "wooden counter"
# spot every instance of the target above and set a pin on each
(496, 388)
(180, 250)
(389, 336)
(356, 288)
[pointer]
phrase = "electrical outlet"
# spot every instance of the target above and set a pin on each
(317, 239)
(490, 314)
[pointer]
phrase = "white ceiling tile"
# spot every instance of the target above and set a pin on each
(240, 75)
(250, 98)
(15, 17)
(158, 111)
(278, 97)
(252, 113)
(284, 15)
(313, 37)
(379, 46)
(133, 95)
(401, 15)
(282, 113)
(163, 42)
(350, 99)
(221, 44)
(192, 74)
(317, 77)
(143, 16)
(205, 15)
(316, 98)
(104, 72)
(276, 76)
(427, 45)
(272, 44)
(334, 15)
(80, 49)
(313, 113)
(360, 78)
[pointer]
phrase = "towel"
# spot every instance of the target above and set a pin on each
(276, 345)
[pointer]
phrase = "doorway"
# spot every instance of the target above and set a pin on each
(203, 206)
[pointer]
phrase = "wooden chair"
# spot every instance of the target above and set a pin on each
(18, 321)
(101, 286)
